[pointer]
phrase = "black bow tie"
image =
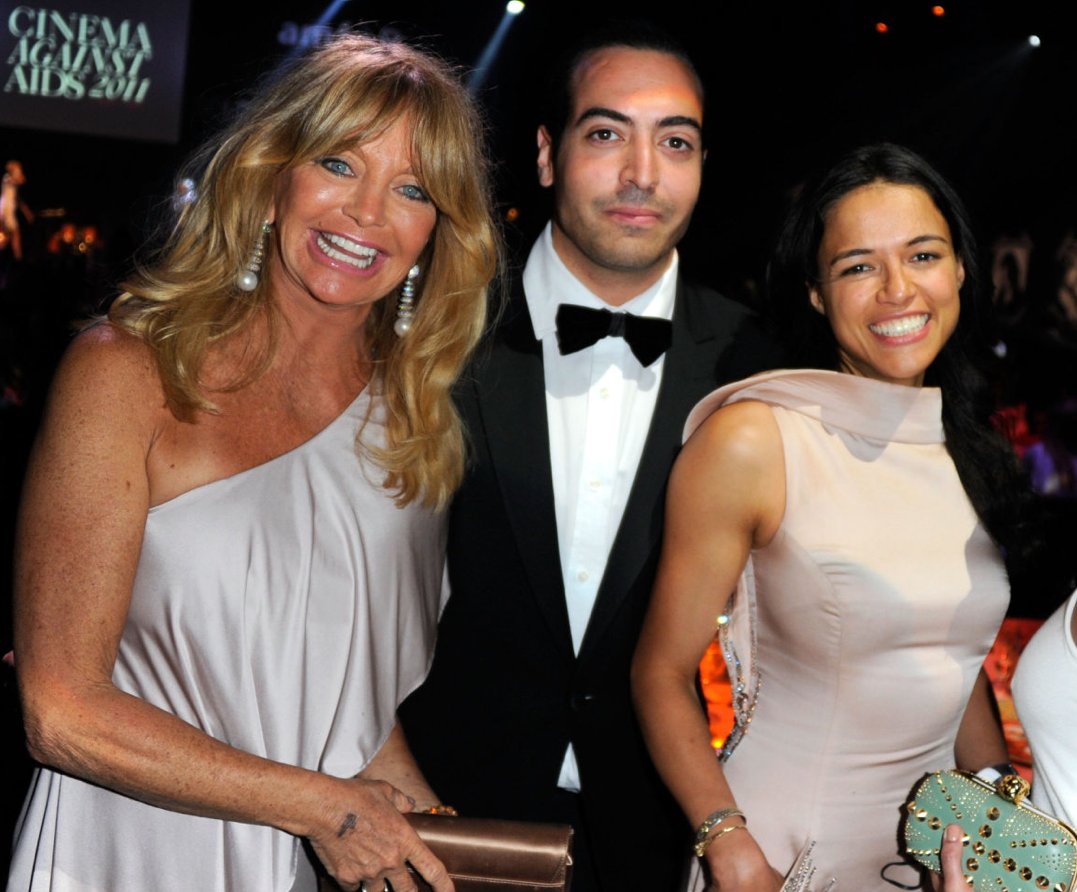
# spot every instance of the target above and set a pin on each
(580, 327)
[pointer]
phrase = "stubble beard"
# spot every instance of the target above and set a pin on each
(624, 248)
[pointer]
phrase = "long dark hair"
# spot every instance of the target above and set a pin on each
(986, 464)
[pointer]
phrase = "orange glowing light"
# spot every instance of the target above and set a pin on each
(882, 27)
(999, 665)
(938, 11)
(718, 694)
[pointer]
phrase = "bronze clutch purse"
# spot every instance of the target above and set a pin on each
(488, 855)
(1009, 845)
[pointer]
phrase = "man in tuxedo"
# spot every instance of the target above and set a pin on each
(555, 533)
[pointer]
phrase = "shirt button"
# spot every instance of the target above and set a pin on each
(604, 393)
(583, 576)
(581, 701)
(595, 485)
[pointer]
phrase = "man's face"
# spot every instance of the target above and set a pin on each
(626, 174)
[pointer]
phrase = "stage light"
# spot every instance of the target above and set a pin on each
(881, 27)
(478, 76)
(938, 11)
(330, 12)
(1033, 40)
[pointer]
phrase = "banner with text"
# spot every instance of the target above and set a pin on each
(104, 67)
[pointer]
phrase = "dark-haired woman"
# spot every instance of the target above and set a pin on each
(857, 505)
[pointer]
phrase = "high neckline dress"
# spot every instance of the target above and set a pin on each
(856, 635)
(286, 610)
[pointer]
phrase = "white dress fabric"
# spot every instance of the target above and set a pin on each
(286, 610)
(1044, 689)
(875, 606)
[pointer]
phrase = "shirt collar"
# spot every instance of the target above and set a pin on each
(548, 283)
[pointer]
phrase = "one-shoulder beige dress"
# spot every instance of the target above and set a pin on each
(856, 635)
(286, 610)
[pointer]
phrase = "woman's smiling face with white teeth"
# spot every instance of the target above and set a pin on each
(889, 281)
(349, 226)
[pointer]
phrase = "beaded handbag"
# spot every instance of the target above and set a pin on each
(1009, 845)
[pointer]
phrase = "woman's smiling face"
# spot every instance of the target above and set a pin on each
(350, 226)
(889, 281)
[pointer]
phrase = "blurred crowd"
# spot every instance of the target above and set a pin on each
(1035, 344)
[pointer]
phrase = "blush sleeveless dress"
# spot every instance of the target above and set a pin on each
(286, 610)
(856, 635)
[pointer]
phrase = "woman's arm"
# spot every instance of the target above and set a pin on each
(395, 764)
(980, 741)
(84, 507)
(726, 496)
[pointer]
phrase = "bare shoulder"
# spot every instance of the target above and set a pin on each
(733, 467)
(741, 435)
(113, 370)
(86, 482)
(83, 508)
(106, 389)
(108, 351)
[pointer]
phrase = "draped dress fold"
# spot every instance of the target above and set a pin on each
(871, 612)
(285, 610)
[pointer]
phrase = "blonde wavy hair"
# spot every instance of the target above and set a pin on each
(351, 88)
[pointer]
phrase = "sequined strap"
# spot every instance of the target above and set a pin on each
(737, 639)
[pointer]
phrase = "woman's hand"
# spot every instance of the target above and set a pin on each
(737, 864)
(367, 841)
(726, 496)
(953, 876)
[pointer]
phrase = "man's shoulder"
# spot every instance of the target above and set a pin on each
(748, 345)
(509, 332)
(703, 303)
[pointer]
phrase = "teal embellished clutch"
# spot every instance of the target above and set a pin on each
(1009, 845)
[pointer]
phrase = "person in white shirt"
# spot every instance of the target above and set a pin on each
(1044, 690)
(574, 412)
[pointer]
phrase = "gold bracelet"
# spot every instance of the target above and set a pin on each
(701, 847)
(714, 819)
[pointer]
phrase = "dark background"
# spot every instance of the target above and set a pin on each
(787, 86)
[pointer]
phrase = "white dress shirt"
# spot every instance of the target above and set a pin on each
(599, 403)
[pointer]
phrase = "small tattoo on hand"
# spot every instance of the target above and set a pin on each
(348, 824)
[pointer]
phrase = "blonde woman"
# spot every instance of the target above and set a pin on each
(229, 567)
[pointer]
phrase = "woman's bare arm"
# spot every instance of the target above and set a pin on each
(84, 508)
(726, 496)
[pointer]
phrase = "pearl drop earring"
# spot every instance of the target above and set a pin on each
(247, 280)
(405, 307)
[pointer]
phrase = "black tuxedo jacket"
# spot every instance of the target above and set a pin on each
(506, 693)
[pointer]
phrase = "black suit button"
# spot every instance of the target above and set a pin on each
(580, 701)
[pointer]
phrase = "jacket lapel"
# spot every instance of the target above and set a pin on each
(687, 376)
(511, 395)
